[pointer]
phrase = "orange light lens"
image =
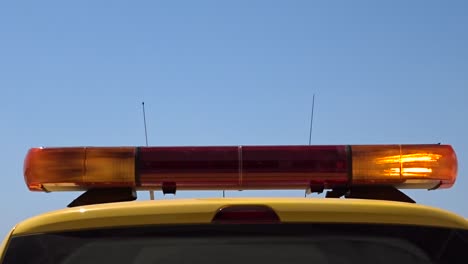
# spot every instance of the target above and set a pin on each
(81, 168)
(405, 166)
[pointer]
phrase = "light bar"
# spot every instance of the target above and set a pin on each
(240, 167)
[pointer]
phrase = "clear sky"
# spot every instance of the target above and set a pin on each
(230, 73)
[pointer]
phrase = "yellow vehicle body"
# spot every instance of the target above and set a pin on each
(202, 211)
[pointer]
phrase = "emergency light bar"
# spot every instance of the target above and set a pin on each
(240, 167)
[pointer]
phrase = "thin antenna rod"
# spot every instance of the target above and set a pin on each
(310, 132)
(311, 119)
(151, 192)
(144, 122)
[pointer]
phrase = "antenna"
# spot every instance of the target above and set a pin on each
(144, 122)
(151, 192)
(307, 191)
(311, 119)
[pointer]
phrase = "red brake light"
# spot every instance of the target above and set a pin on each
(246, 214)
(240, 167)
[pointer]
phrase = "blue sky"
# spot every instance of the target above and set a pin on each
(229, 73)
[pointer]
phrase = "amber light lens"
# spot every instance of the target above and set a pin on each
(405, 166)
(80, 168)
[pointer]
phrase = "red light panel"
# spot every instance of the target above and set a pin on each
(190, 168)
(241, 168)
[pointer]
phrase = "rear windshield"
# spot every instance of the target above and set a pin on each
(244, 244)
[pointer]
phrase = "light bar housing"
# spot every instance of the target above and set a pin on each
(240, 167)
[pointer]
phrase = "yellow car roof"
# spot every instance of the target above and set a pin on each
(202, 211)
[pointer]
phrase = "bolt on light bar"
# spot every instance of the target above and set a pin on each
(240, 167)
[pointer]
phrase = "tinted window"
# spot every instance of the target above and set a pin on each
(243, 244)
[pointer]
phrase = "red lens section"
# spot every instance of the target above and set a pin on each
(293, 167)
(240, 168)
(191, 168)
(246, 214)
